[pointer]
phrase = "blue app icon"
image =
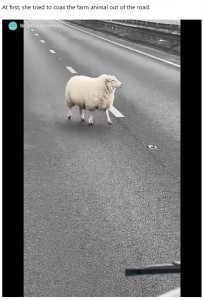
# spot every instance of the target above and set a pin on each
(12, 25)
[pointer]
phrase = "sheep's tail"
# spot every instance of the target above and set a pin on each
(67, 101)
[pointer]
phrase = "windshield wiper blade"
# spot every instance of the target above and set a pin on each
(155, 269)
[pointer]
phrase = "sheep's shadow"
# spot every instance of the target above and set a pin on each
(83, 128)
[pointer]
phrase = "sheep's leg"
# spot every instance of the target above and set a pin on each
(70, 105)
(91, 119)
(108, 118)
(82, 117)
(69, 113)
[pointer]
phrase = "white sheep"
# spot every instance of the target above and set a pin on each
(90, 94)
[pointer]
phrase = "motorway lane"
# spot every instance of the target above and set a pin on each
(150, 95)
(96, 201)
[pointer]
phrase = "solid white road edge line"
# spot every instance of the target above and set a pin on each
(115, 43)
(70, 69)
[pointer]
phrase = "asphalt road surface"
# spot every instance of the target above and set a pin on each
(96, 200)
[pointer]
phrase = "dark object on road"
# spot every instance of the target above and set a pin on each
(152, 147)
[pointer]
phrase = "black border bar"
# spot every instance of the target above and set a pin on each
(12, 160)
(191, 158)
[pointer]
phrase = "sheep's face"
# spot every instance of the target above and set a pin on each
(113, 82)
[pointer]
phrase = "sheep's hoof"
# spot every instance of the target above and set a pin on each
(90, 123)
(110, 123)
(82, 120)
(69, 117)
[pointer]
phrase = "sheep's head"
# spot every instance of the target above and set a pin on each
(112, 82)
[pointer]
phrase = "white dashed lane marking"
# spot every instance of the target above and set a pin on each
(42, 41)
(115, 112)
(32, 29)
(70, 69)
(36, 34)
(52, 51)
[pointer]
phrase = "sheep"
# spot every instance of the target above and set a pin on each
(91, 94)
